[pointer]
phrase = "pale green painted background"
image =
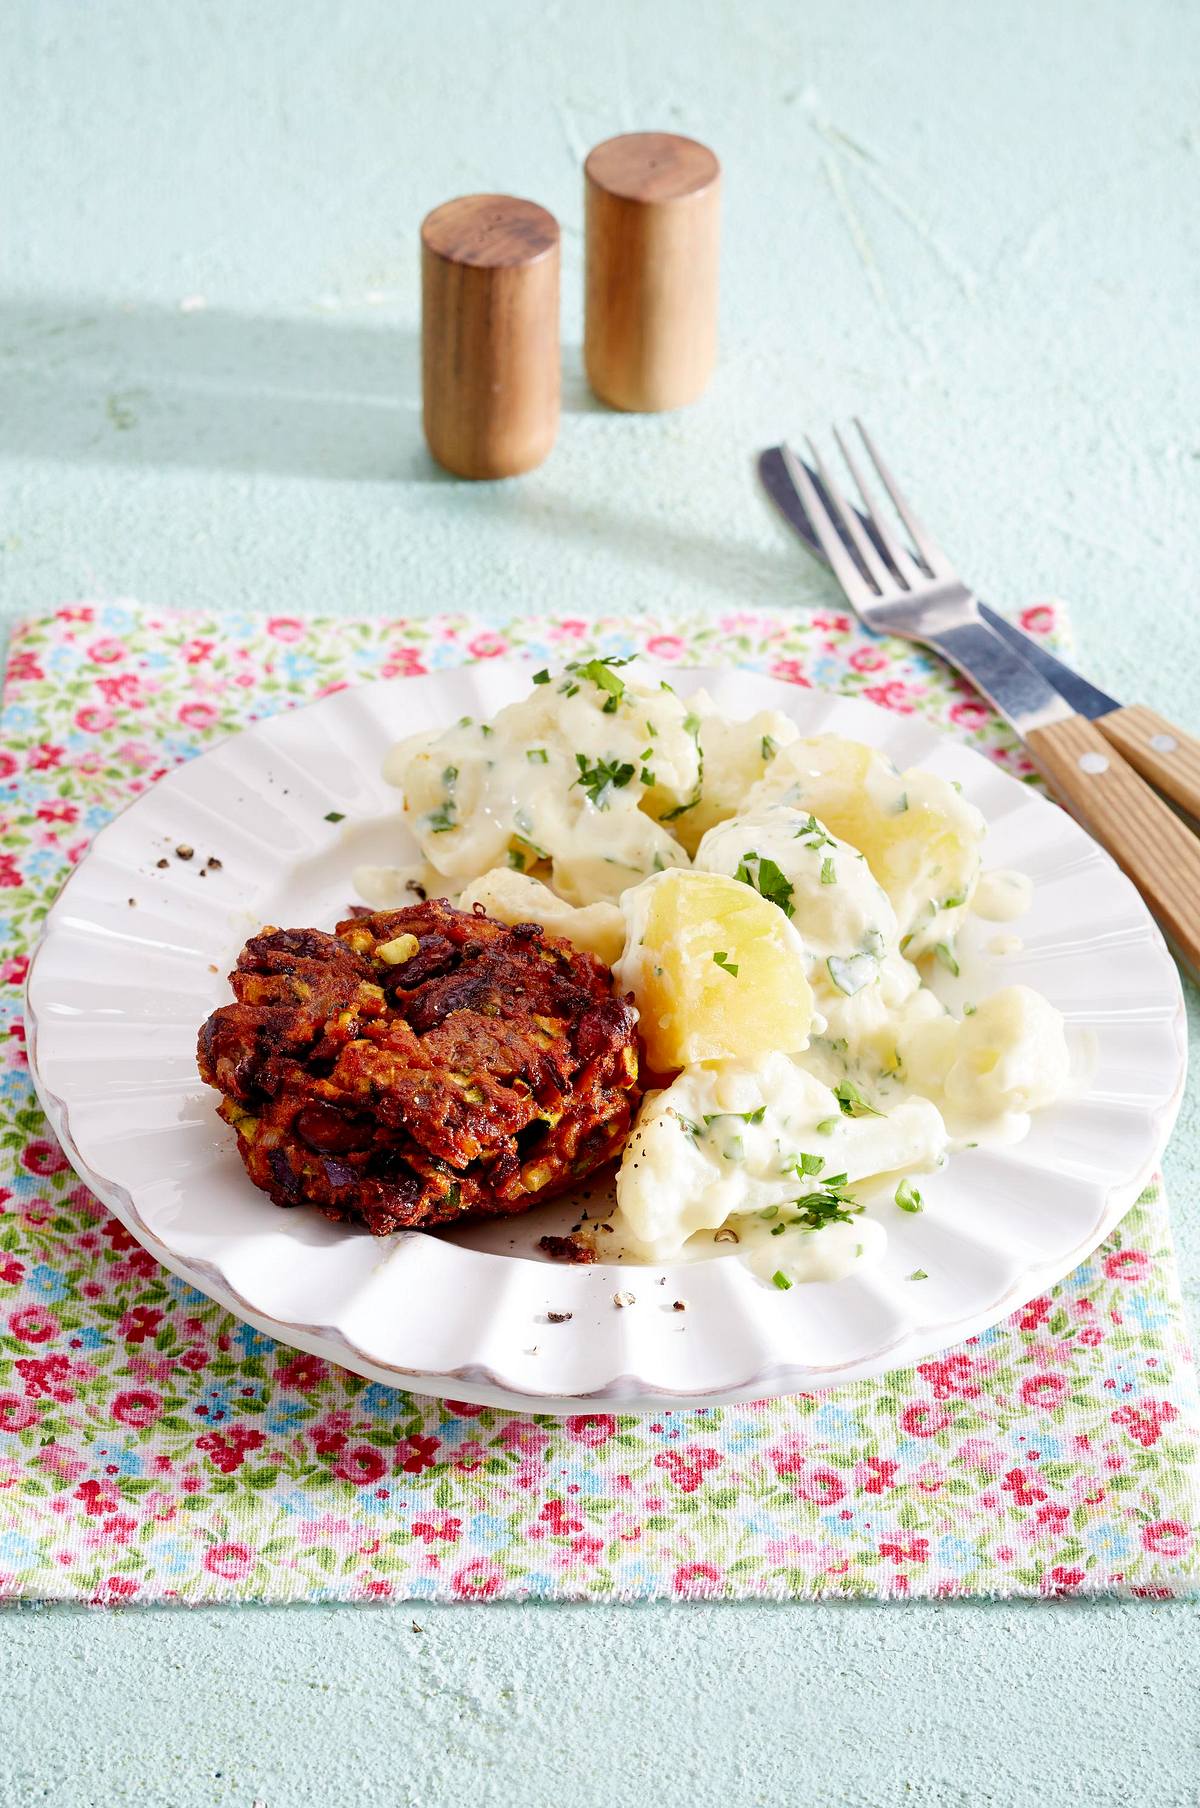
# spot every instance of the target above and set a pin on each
(977, 224)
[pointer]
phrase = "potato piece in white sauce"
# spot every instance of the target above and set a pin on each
(511, 897)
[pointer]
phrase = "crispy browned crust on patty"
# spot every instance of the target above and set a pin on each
(489, 1070)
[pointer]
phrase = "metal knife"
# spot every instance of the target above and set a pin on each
(1162, 753)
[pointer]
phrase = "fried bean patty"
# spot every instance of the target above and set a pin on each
(421, 1066)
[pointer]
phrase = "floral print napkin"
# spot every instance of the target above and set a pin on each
(152, 1448)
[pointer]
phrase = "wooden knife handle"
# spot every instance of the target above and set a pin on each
(1162, 753)
(1142, 833)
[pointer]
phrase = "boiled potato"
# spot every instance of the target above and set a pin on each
(717, 973)
(921, 838)
(556, 781)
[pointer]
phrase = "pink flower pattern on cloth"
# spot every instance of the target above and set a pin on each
(152, 1448)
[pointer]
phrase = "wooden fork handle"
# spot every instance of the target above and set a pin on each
(1142, 833)
(1161, 752)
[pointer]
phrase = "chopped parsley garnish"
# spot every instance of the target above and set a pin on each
(537, 756)
(770, 747)
(953, 903)
(781, 1281)
(852, 1102)
(726, 965)
(918, 1274)
(542, 677)
(335, 816)
(647, 777)
(945, 954)
(813, 835)
(747, 1117)
(539, 853)
(441, 819)
(907, 1197)
(969, 1010)
(830, 1206)
(806, 1165)
(769, 1212)
(850, 976)
(827, 1126)
(516, 860)
(763, 876)
(602, 674)
(523, 826)
(691, 726)
(466, 721)
(604, 776)
(828, 871)
(695, 1131)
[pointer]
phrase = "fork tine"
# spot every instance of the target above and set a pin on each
(902, 562)
(847, 573)
(935, 559)
(864, 546)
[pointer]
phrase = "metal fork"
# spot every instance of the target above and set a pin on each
(918, 595)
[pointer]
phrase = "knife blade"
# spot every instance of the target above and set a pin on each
(1084, 698)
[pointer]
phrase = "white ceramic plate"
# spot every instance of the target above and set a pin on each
(117, 992)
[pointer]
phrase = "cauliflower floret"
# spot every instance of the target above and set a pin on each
(1008, 1058)
(726, 1140)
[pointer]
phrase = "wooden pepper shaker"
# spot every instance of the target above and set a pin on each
(653, 224)
(489, 334)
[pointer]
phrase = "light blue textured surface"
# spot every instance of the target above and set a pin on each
(979, 226)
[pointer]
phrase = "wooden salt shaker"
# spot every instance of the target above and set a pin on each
(489, 334)
(653, 223)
